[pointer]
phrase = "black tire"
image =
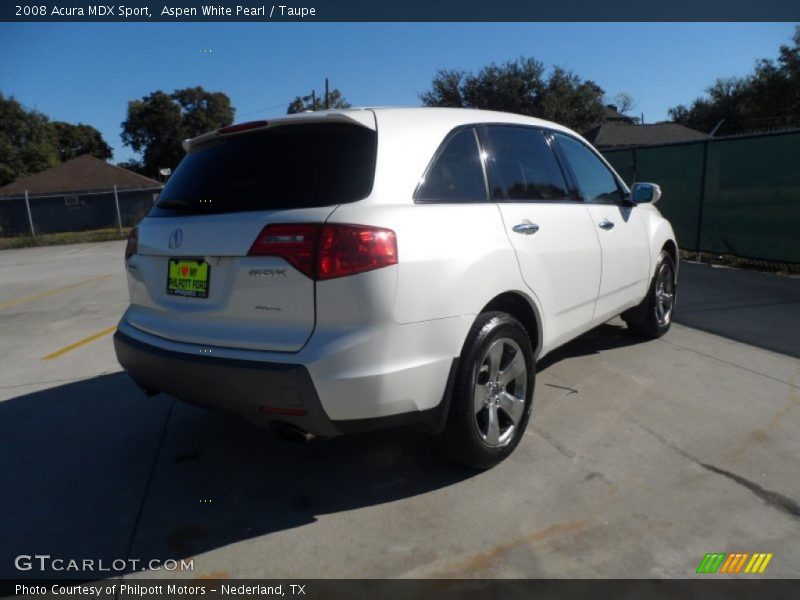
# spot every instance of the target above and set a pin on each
(469, 436)
(651, 318)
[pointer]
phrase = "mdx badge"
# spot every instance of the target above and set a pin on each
(268, 273)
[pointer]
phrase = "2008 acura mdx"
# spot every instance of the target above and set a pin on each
(346, 270)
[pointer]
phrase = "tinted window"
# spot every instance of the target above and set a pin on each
(522, 165)
(290, 166)
(596, 182)
(456, 174)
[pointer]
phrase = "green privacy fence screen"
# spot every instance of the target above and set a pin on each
(737, 196)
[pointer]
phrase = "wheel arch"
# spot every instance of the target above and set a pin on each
(672, 249)
(660, 237)
(522, 308)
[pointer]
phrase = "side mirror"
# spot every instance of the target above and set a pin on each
(643, 193)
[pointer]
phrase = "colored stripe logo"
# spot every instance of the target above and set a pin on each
(734, 562)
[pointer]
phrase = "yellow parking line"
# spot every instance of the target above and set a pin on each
(40, 295)
(80, 343)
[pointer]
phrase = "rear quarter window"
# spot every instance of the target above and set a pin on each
(288, 166)
(456, 173)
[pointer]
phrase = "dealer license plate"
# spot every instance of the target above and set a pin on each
(188, 277)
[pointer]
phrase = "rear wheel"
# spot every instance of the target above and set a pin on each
(653, 317)
(493, 393)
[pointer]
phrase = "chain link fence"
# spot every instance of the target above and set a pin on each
(737, 196)
(41, 214)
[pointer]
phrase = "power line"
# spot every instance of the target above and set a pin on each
(264, 109)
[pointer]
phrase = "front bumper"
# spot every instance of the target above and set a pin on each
(263, 392)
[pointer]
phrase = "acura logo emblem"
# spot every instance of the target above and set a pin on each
(175, 239)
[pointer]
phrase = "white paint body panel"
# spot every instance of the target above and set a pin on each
(382, 343)
(241, 311)
(625, 259)
(560, 264)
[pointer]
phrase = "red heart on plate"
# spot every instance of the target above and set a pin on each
(184, 270)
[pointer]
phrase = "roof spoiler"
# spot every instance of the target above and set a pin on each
(362, 117)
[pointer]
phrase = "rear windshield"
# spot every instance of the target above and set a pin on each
(290, 166)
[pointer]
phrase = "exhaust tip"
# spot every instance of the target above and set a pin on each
(292, 433)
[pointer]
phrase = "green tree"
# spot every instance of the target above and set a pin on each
(158, 123)
(27, 141)
(304, 103)
(624, 103)
(724, 104)
(74, 140)
(446, 89)
(30, 142)
(132, 165)
(521, 86)
(570, 101)
(768, 98)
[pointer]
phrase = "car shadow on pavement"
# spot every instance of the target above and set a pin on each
(95, 470)
(605, 337)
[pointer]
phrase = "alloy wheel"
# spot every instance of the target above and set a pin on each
(665, 295)
(500, 392)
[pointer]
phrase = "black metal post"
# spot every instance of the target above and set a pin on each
(702, 199)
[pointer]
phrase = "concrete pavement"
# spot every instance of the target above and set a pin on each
(756, 308)
(641, 457)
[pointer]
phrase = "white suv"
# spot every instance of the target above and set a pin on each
(339, 271)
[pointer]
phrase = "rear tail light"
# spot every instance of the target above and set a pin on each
(328, 251)
(296, 243)
(350, 249)
(133, 243)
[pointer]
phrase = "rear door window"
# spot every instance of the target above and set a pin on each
(521, 164)
(288, 166)
(456, 174)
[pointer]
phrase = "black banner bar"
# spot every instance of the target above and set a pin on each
(735, 588)
(401, 11)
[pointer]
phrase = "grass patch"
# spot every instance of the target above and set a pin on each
(59, 239)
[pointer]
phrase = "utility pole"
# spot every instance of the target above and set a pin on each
(119, 216)
(327, 103)
(716, 128)
(30, 216)
(313, 98)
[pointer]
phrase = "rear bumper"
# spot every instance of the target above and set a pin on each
(263, 392)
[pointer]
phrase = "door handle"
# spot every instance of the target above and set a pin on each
(526, 228)
(606, 224)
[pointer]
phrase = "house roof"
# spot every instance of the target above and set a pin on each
(82, 174)
(611, 135)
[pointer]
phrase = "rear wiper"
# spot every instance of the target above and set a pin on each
(174, 203)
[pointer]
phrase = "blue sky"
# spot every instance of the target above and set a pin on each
(88, 72)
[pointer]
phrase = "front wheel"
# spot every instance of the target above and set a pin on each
(653, 317)
(493, 393)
